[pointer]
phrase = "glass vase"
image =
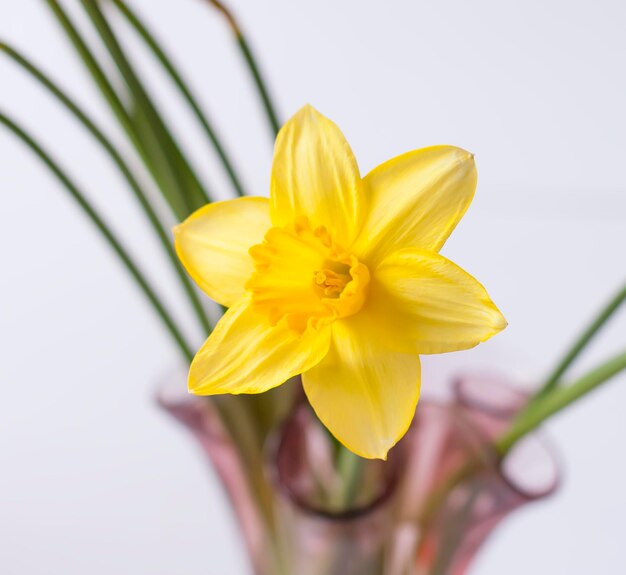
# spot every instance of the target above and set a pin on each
(425, 511)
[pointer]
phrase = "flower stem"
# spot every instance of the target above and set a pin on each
(108, 146)
(349, 467)
(119, 249)
(183, 88)
(558, 399)
(584, 338)
(246, 52)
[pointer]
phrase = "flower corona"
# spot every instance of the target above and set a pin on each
(303, 276)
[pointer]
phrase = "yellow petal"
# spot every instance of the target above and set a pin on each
(244, 354)
(316, 175)
(423, 303)
(416, 200)
(363, 393)
(213, 245)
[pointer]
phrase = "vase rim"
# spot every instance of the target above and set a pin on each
(503, 402)
(515, 480)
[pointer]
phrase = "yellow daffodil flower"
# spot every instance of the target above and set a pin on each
(338, 278)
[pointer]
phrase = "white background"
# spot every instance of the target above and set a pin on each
(93, 478)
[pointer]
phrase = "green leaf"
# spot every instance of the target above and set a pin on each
(558, 399)
(106, 232)
(184, 89)
(123, 167)
(251, 63)
(147, 115)
(165, 181)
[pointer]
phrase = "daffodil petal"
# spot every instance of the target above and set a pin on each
(213, 245)
(416, 200)
(423, 303)
(315, 174)
(363, 393)
(244, 354)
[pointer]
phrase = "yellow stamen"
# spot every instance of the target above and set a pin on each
(330, 282)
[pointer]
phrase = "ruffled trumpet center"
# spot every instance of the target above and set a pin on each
(302, 275)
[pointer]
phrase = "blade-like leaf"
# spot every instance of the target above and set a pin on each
(557, 399)
(581, 343)
(195, 195)
(123, 167)
(108, 235)
(184, 89)
(154, 162)
(253, 67)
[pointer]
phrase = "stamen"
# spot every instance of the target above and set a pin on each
(332, 283)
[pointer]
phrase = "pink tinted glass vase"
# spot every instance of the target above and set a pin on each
(426, 511)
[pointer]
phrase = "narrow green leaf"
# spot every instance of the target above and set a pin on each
(113, 153)
(581, 343)
(261, 86)
(162, 176)
(195, 194)
(183, 88)
(253, 67)
(558, 399)
(109, 236)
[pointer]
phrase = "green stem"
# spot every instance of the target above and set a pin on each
(453, 536)
(183, 88)
(253, 67)
(77, 195)
(584, 338)
(108, 146)
(557, 400)
(478, 459)
(349, 467)
(157, 166)
(181, 169)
